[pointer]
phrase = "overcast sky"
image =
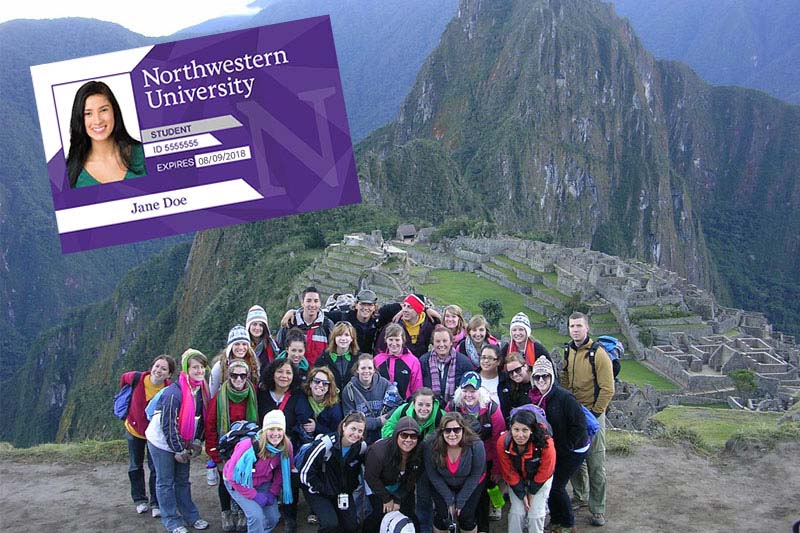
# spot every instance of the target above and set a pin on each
(154, 18)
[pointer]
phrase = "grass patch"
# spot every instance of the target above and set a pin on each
(623, 443)
(90, 451)
(732, 333)
(551, 339)
(710, 429)
(638, 374)
(451, 288)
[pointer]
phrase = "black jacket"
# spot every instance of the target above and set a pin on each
(337, 474)
(566, 417)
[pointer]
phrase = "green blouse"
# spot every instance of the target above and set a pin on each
(136, 169)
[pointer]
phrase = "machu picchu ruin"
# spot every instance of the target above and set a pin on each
(672, 327)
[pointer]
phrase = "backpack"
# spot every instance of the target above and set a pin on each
(541, 417)
(396, 522)
(122, 400)
(239, 430)
(592, 425)
(302, 454)
(613, 348)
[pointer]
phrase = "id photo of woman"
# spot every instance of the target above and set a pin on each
(101, 150)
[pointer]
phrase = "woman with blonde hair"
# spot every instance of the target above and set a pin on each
(323, 397)
(453, 319)
(342, 353)
(477, 337)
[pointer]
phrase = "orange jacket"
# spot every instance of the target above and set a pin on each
(526, 471)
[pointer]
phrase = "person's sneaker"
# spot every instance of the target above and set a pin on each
(141, 508)
(200, 524)
(598, 519)
(180, 529)
(156, 512)
(579, 504)
(495, 513)
(227, 521)
(312, 519)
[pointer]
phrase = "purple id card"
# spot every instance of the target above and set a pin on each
(195, 134)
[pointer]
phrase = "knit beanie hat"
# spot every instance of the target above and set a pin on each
(541, 367)
(238, 363)
(521, 319)
(256, 314)
(192, 353)
(415, 302)
(237, 334)
(274, 419)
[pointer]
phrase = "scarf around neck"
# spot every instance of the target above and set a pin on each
(286, 473)
(228, 395)
(187, 425)
(449, 364)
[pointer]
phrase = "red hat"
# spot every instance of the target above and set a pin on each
(414, 301)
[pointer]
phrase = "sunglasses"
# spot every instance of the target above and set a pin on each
(234, 377)
(317, 381)
(409, 436)
(452, 430)
(541, 377)
(515, 371)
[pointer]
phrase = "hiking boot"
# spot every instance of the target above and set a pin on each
(227, 521)
(241, 521)
(579, 504)
(598, 519)
(312, 519)
(156, 512)
(200, 524)
(495, 513)
(142, 508)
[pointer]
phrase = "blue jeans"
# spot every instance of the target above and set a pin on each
(259, 519)
(424, 509)
(136, 451)
(174, 490)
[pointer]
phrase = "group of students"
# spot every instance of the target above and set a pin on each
(434, 434)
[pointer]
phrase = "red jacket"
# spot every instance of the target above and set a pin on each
(137, 419)
(528, 471)
(236, 411)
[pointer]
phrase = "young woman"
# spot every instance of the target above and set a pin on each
(527, 460)
(365, 393)
(341, 355)
(330, 477)
(515, 385)
(477, 337)
(323, 397)
(443, 367)
(261, 341)
(491, 361)
(174, 436)
(455, 463)
(296, 352)
(522, 340)
(280, 389)
(454, 321)
(426, 411)
(397, 364)
(570, 438)
(472, 401)
(236, 400)
(256, 476)
(100, 148)
(136, 423)
(393, 466)
(238, 347)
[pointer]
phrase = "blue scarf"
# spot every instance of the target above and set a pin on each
(243, 472)
(286, 474)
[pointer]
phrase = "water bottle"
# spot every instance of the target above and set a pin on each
(496, 497)
(392, 398)
(212, 476)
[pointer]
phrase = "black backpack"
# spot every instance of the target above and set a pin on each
(239, 430)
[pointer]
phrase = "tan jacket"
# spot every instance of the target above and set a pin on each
(578, 377)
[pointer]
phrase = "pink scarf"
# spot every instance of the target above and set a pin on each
(186, 414)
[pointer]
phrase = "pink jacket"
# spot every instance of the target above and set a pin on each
(264, 471)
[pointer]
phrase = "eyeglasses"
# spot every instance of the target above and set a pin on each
(541, 377)
(409, 436)
(515, 371)
(452, 430)
(317, 381)
(488, 358)
(234, 377)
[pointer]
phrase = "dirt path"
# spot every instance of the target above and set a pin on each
(655, 489)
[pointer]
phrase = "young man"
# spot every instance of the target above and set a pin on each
(594, 388)
(312, 320)
(418, 323)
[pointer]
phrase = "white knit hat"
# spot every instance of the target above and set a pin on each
(274, 419)
(521, 319)
(236, 334)
(256, 314)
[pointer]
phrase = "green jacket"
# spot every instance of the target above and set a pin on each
(407, 409)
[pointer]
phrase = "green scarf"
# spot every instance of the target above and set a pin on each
(226, 395)
(316, 407)
(335, 356)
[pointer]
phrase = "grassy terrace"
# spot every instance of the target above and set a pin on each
(638, 374)
(520, 266)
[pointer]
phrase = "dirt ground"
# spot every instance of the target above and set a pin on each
(657, 488)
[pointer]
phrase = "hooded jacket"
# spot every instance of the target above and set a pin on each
(403, 369)
(565, 416)
(369, 401)
(579, 379)
(336, 475)
(382, 472)
(526, 471)
(407, 409)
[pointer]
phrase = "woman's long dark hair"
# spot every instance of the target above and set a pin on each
(527, 418)
(439, 446)
(413, 462)
(79, 141)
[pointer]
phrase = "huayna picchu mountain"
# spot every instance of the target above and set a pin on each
(549, 117)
